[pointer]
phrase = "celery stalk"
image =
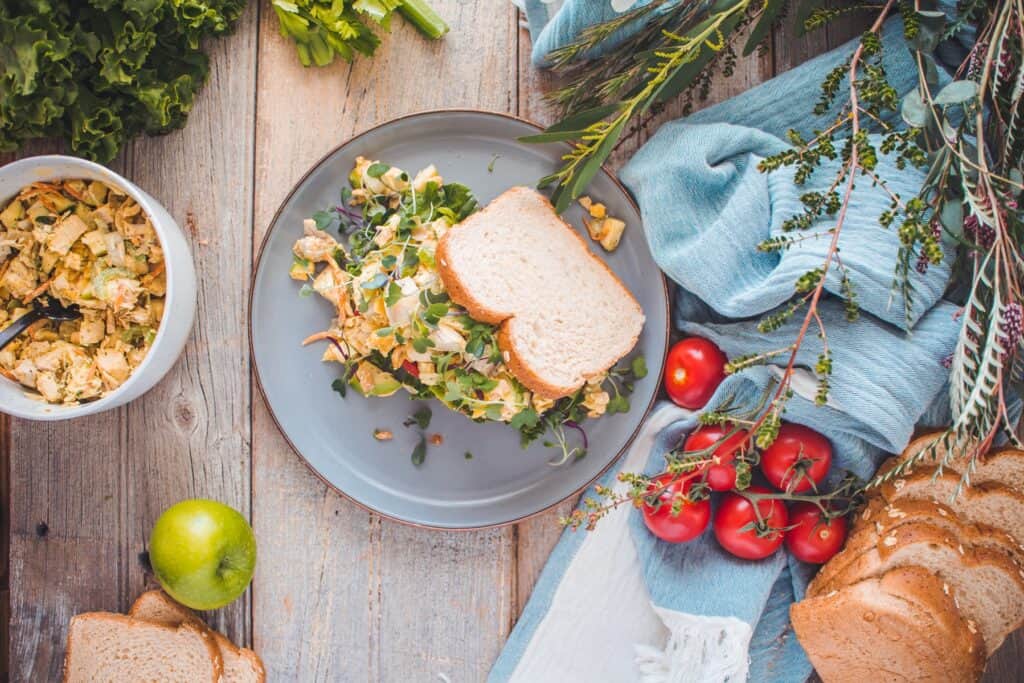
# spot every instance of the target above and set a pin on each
(424, 17)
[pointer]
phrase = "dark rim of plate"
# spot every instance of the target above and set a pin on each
(270, 408)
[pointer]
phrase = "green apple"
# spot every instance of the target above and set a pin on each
(203, 553)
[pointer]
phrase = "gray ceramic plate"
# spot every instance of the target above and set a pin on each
(502, 483)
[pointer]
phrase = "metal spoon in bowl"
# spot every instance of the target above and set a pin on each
(42, 307)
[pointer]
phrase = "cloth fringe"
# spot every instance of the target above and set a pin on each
(699, 650)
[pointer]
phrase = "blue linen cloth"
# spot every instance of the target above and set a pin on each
(705, 209)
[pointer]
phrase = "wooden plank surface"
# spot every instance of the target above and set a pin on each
(85, 493)
(361, 598)
(340, 594)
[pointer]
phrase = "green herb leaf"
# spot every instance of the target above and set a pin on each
(306, 290)
(639, 367)
(323, 219)
(525, 419)
(421, 344)
(393, 295)
(419, 454)
(376, 170)
(421, 418)
(340, 386)
(618, 404)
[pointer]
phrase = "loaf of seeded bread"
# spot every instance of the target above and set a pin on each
(240, 664)
(113, 648)
(970, 544)
(564, 316)
(901, 626)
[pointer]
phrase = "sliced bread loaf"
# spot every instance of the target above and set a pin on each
(878, 521)
(113, 648)
(565, 317)
(987, 587)
(1001, 466)
(993, 505)
(901, 626)
(241, 665)
(885, 517)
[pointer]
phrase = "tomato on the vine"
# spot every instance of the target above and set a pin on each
(721, 473)
(693, 370)
(740, 530)
(691, 518)
(798, 459)
(812, 538)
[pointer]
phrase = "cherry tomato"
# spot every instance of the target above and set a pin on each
(722, 472)
(812, 539)
(739, 531)
(692, 519)
(693, 370)
(799, 458)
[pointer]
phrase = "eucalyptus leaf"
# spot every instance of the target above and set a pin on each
(593, 164)
(930, 26)
(583, 119)
(553, 136)
(952, 216)
(914, 111)
(772, 10)
(957, 92)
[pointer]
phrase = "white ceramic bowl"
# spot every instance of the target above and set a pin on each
(179, 303)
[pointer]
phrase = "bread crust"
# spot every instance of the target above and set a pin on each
(874, 560)
(925, 477)
(182, 614)
(460, 294)
(913, 633)
(981, 475)
(216, 660)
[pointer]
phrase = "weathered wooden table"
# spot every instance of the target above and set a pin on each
(339, 594)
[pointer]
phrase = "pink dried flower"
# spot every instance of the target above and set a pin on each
(1013, 326)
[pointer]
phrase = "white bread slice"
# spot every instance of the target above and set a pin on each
(899, 627)
(1002, 466)
(240, 664)
(565, 317)
(987, 586)
(105, 647)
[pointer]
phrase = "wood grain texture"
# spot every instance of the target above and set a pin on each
(340, 594)
(402, 603)
(85, 493)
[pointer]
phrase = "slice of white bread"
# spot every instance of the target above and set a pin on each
(987, 586)
(565, 317)
(105, 647)
(240, 664)
(901, 626)
(1002, 466)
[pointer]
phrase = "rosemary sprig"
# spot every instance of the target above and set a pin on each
(663, 59)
